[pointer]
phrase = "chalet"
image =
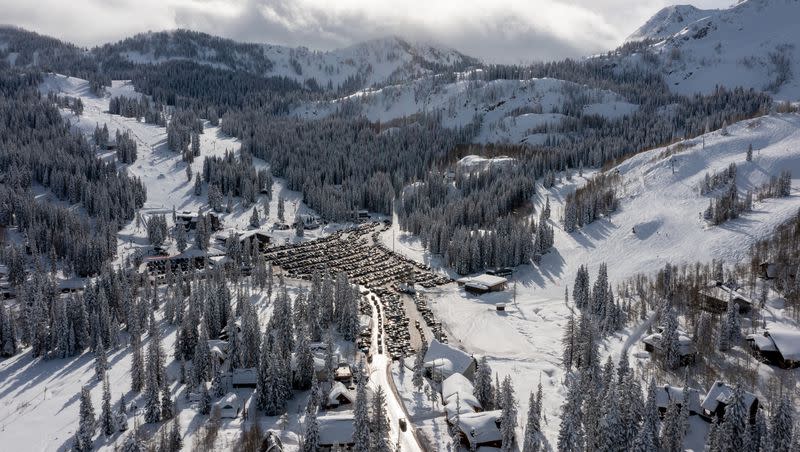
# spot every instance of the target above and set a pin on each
(667, 395)
(686, 348)
(443, 360)
(229, 406)
(340, 395)
(335, 430)
(480, 429)
(483, 283)
(189, 220)
(263, 239)
(271, 443)
(718, 398)
(779, 347)
(717, 296)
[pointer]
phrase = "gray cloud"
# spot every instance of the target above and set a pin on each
(494, 30)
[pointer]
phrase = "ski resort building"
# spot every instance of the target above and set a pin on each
(340, 395)
(229, 406)
(458, 397)
(779, 347)
(717, 296)
(483, 283)
(719, 396)
(443, 360)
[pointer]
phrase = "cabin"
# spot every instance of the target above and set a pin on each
(719, 396)
(340, 395)
(271, 443)
(335, 430)
(716, 297)
(443, 360)
(779, 347)
(686, 349)
(667, 395)
(483, 283)
(229, 406)
(480, 429)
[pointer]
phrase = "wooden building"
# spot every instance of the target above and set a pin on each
(779, 347)
(719, 396)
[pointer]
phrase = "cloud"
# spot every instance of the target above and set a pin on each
(496, 30)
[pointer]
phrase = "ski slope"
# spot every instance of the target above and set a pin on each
(525, 340)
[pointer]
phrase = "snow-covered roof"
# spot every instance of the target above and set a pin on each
(785, 341)
(725, 293)
(247, 376)
(230, 400)
(446, 359)
(338, 390)
(335, 429)
(672, 394)
(456, 383)
(722, 392)
(685, 343)
(484, 280)
(484, 425)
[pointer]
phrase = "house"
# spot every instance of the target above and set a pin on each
(780, 347)
(716, 298)
(229, 406)
(340, 395)
(718, 398)
(686, 348)
(480, 429)
(483, 283)
(271, 443)
(335, 430)
(667, 395)
(443, 360)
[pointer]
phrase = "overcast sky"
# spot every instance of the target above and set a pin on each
(493, 30)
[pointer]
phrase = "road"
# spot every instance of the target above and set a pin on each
(380, 376)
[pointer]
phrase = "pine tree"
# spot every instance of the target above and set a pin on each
(305, 359)
(86, 425)
(255, 221)
(121, 415)
(380, 423)
(108, 422)
(167, 405)
(781, 425)
(508, 423)
(100, 362)
(647, 438)
(749, 156)
(311, 434)
(670, 343)
(205, 399)
(568, 343)
(570, 433)
(483, 390)
(533, 430)
(175, 437)
(361, 435)
(281, 209)
(137, 363)
(419, 367)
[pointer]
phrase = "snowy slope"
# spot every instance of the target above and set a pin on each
(375, 62)
(509, 109)
(754, 44)
(525, 340)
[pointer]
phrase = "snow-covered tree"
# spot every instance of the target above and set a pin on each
(361, 435)
(508, 421)
(108, 421)
(482, 389)
(87, 422)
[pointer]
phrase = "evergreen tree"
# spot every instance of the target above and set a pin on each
(361, 435)
(205, 400)
(255, 221)
(311, 434)
(137, 363)
(482, 389)
(781, 425)
(167, 405)
(570, 433)
(533, 430)
(86, 425)
(100, 361)
(175, 437)
(508, 423)
(647, 438)
(568, 343)
(380, 423)
(108, 422)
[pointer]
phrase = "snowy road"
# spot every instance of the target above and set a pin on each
(380, 376)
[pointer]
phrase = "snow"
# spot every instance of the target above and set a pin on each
(786, 341)
(510, 109)
(481, 427)
(336, 428)
(446, 360)
(721, 393)
(728, 47)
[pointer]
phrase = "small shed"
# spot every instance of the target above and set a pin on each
(780, 347)
(719, 396)
(229, 406)
(500, 306)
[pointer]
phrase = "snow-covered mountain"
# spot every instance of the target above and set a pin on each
(754, 44)
(376, 62)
